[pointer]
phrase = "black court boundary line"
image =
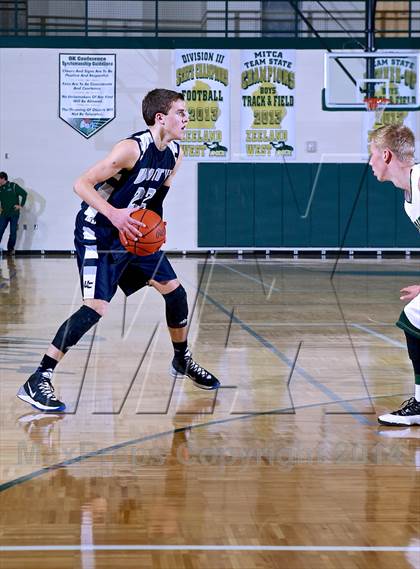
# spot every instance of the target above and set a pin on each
(286, 360)
(133, 442)
(365, 273)
(326, 391)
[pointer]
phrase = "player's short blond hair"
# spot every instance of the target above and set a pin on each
(399, 139)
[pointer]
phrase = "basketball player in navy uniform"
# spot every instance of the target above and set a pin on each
(136, 174)
(392, 159)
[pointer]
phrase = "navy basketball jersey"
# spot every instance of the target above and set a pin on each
(142, 185)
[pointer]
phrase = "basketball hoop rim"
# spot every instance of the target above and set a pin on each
(373, 103)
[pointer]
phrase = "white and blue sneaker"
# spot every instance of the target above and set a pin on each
(39, 392)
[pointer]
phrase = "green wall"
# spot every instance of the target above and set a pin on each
(265, 205)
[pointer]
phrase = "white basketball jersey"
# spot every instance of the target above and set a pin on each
(412, 207)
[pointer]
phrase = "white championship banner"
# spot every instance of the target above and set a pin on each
(87, 91)
(203, 78)
(401, 78)
(267, 104)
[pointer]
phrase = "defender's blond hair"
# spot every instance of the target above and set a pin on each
(399, 139)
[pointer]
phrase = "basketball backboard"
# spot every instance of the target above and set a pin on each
(351, 77)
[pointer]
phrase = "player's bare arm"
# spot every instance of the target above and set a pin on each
(409, 292)
(123, 156)
(170, 178)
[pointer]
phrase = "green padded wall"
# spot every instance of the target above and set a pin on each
(268, 204)
(240, 205)
(381, 213)
(354, 204)
(325, 206)
(212, 204)
(296, 189)
(299, 205)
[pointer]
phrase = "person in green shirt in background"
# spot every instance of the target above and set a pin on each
(12, 200)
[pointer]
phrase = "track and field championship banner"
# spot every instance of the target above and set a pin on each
(267, 104)
(203, 78)
(401, 75)
(87, 91)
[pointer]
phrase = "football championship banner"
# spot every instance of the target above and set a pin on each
(87, 91)
(203, 78)
(400, 75)
(268, 104)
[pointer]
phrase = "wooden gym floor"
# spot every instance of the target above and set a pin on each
(286, 466)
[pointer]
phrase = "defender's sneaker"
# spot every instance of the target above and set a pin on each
(408, 414)
(199, 376)
(39, 392)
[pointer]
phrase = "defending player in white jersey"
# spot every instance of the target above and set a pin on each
(392, 160)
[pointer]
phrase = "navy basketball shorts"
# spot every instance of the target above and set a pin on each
(104, 264)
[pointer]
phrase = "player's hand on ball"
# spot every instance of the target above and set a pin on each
(410, 292)
(127, 225)
(153, 234)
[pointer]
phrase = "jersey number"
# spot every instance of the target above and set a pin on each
(139, 200)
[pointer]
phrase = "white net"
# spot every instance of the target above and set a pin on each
(376, 105)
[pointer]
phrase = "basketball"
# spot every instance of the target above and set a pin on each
(154, 234)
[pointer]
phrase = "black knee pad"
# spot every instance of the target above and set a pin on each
(75, 327)
(176, 308)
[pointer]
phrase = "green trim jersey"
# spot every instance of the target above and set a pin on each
(412, 204)
(410, 318)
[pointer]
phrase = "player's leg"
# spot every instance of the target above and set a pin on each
(13, 233)
(38, 389)
(409, 413)
(3, 224)
(157, 271)
(183, 363)
(73, 329)
(99, 275)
